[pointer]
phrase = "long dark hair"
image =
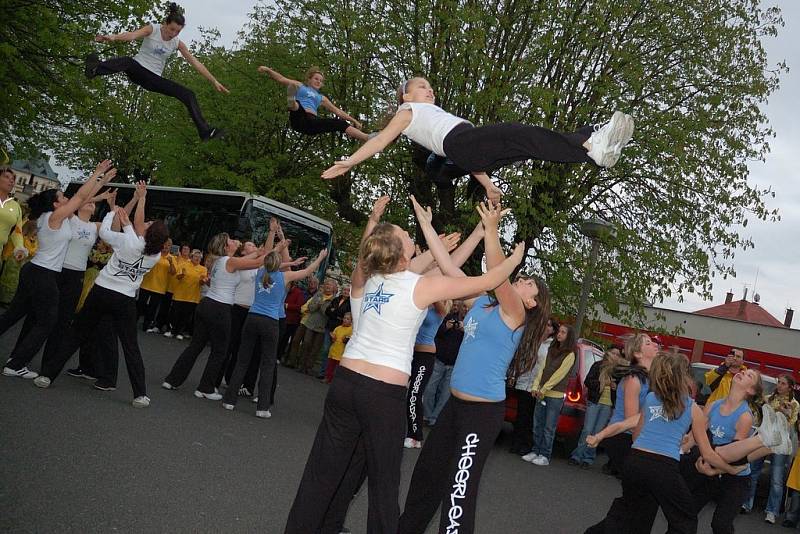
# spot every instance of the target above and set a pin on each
(790, 380)
(42, 203)
(155, 237)
(560, 349)
(175, 14)
(535, 323)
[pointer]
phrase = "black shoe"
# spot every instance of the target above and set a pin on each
(744, 511)
(585, 465)
(79, 373)
(573, 461)
(104, 387)
(789, 524)
(92, 62)
(608, 470)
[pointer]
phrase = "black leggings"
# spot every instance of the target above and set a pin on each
(151, 81)
(448, 470)
(361, 429)
(421, 369)
(490, 147)
(212, 325)
(264, 332)
(309, 124)
(37, 294)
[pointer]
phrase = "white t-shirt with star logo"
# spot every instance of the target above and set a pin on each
(127, 266)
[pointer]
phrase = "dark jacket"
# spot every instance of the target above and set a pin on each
(335, 312)
(448, 340)
(592, 383)
(294, 301)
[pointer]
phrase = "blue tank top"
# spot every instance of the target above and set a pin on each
(659, 434)
(485, 353)
(430, 325)
(268, 301)
(723, 427)
(309, 98)
(619, 405)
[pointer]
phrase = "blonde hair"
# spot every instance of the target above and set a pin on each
(669, 380)
(633, 345)
(272, 262)
(381, 252)
(312, 70)
(216, 248)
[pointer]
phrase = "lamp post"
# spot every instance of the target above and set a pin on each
(597, 230)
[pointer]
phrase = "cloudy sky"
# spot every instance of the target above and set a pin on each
(776, 257)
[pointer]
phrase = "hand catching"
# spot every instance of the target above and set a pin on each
(339, 168)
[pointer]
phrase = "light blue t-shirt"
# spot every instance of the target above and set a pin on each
(268, 301)
(723, 427)
(619, 405)
(486, 352)
(430, 325)
(309, 98)
(659, 434)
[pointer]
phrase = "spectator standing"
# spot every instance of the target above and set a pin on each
(295, 298)
(448, 341)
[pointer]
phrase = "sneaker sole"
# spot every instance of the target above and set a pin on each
(291, 96)
(207, 396)
(621, 133)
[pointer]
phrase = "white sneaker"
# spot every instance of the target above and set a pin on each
(785, 446)
(411, 443)
(291, 96)
(210, 396)
(153, 330)
(179, 336)
(141, 402)
(167, 334)
(768, 430)
(41, 382)
(167, 385)
(263, 414)
(228, 406)
(530, 457)
(609, 139)
(254, 399)
(769, 518)
(22, 373)
(541, 460)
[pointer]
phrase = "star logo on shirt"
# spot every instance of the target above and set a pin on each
(130, 270)
(376, 299)
(84, 234)
(717, 431)
(470, 327)
(657, 412)
(160, 51)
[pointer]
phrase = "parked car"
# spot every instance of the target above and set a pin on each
(703, 391)
(570, 422)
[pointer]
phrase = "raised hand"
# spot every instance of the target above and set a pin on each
(322, 254)
(378, 208)
(141, 189)
(493, 193)
(491, 213)
(221, 88)
(273, 224)
(519, 253)
(424, 215)
(101, 168)
(337, 169)
(299, 261)
(450, 241)
(124, 220)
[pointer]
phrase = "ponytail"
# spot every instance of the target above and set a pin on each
(272, 263)
(175, 14)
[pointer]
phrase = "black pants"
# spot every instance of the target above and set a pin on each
(448, 470)
(307, 123)
(262, 331)
(287, 336)
(238, 317)
(617, 448)
(180, 316)
(522, 438)
(162, 317)
(212, 325)
(421, 369)
(650, 481)
(153, 82)
(99, 356)
(490, 147)
(362, 428)
(121, 309)
(147, 305)
(70, 286)
(37, 294)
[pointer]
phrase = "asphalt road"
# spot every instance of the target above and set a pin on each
(79, 460)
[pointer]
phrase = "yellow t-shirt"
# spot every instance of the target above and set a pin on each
(337, 347)
(157, 279)
(187, 289)
(605, 396)
(172, 281)
(11, 223)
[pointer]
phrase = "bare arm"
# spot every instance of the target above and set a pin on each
(421, 263)
(102, 174)
(142, 32)
(392, 131)
(278, 77)
(357, 280)
(199, 67)
(699, 424)
(291, 276)
(440, 254)
(327, 104)
(138, 217)
(631, 400)
(285, 257)
(613, 429)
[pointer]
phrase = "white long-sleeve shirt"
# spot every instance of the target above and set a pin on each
(124, 271)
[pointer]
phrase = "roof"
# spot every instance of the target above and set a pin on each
(742, 310)
(36, 167)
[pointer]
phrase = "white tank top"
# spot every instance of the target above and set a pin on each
(429, 125)
(155, 51)
(246, 290)
(386, 321)
(223, 283)
(52, 243)
(84, 235)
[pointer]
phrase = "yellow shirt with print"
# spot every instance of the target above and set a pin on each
(187, 289)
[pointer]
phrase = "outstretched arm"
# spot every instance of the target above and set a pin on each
(199, 67)
(357, 280)
(613, 429)
(327, 104)
(138, 218)
(142, 32)
(392, 131)
(435, 245)
(290, 276)
(102, 174)
(278, 77)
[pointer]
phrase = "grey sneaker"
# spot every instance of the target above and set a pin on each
(141, 402)
(41, 382)
(210, 396)
(263, 414)
(19, 373)
(609, 139)
(785, 446)
(769, 431)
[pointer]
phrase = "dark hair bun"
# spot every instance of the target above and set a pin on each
(175, 13)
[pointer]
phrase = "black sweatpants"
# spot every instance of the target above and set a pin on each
(448, 470)
(121, 309)
(37, 294)
(421, 369)
(147, 305)
(307, 123)
(238, 317)
(162, 317)
(99, 356)
(650, 481)
(618, 448)
(490, 147)
(262, 331)
(212, 325)
(288, 335)
(153, 82)
(522, 438)
(180, 316)
(70, 286)
(362, 427)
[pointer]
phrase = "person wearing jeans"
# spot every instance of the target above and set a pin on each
(549, 389)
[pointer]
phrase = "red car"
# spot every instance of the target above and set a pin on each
(570, 422)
